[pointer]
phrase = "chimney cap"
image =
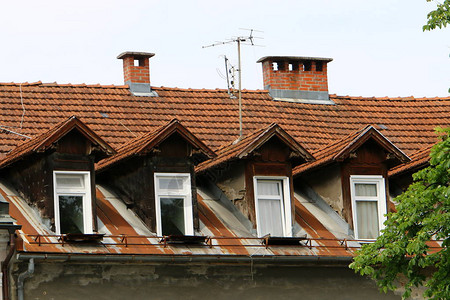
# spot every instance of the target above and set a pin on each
(293, 58)
(135, 54)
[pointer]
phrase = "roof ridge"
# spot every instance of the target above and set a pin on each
(388, 98)
(26, 83)
(53, 84)
(250, 91)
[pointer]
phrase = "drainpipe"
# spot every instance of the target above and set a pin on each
(21, 278)
(5, 264)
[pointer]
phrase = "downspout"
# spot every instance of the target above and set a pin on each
(21, 278)
(5, 264)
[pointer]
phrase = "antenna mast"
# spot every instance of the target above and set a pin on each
(239, 40)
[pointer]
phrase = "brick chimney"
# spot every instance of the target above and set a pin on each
(296, 78)
(136, 72)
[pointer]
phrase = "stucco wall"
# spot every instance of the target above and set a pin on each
(328, 185)
(202, 281)
(232, 184)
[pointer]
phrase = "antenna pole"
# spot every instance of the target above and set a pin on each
(238, 40)
(226, 71)
(240, 87)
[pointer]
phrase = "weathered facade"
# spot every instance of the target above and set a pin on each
(112, 191)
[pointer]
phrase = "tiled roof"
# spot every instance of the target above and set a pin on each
(341, 149)
(252, 142)
(419, 159)
(117, 116)
(141, 145)
(42, 142)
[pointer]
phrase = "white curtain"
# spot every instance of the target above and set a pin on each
(270, 217)
(366, 189)
(367, 214)
(269, 188)
(270, 207)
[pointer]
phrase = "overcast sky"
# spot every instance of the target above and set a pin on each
(378, 47)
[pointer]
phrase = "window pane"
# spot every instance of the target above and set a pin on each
(171, 183)
(270, 217)
(367, 214)
(172, 216)
(69, 181)
(271, 187)
(366, 189)
(71, 214)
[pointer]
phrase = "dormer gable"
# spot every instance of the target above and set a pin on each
(351, 175)
(149, 168)
(69, 136)
(54, 172)
(172, 139)
(258, 144)
(348, 147)
(255, 173)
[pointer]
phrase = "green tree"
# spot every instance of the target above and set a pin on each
(423, 215)
(439, 17)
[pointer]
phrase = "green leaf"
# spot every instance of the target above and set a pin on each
(423, 213)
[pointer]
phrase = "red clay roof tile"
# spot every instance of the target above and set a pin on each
(212, 116)
(419, 160)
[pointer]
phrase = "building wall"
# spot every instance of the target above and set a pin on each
(328, 185)
(196, 281)
(232, 184)
(133, 179)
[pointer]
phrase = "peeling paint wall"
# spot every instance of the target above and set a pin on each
(192, 281)
(232, 184)
(328, 185)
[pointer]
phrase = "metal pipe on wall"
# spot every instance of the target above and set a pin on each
(22, 276)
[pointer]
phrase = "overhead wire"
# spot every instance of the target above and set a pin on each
(23, 106)
(4, 128)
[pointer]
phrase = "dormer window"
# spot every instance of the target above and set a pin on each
(368, 205)
(273, 206)
(73, 203)
(173, 196)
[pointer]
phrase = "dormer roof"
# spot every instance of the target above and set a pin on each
(45, 141)
(341, 150)
(143, 144)
(242, 148)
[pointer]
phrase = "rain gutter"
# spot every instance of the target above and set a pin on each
(186, 258)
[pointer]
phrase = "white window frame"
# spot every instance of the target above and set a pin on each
(380, 198)
(286, 213)
(85, 192)
(186, 194)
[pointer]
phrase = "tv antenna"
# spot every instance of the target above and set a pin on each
(230, 72)
(245, 40)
